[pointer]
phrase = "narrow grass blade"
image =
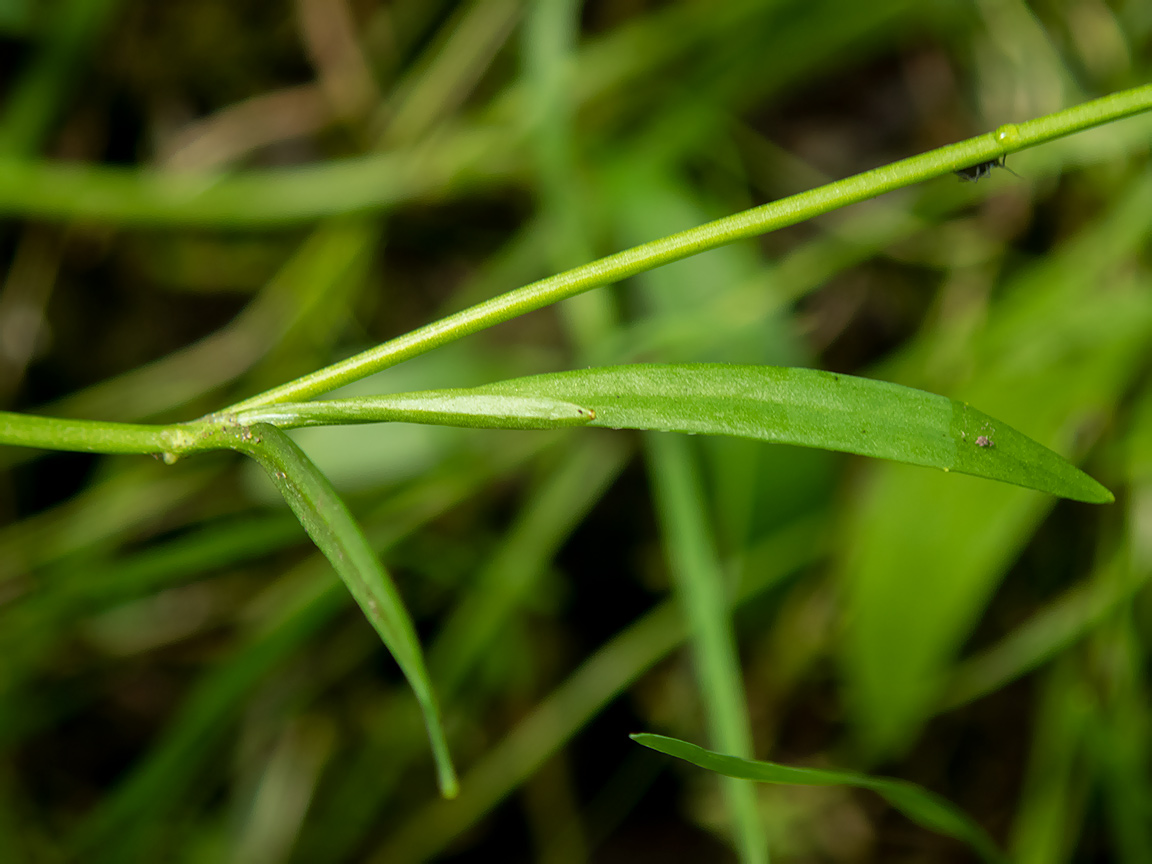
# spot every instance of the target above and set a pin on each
(1118, 738)
(700, 589)
(602, 677)
(275, 196)
(1055, 796)
(498, 590)
(330, 525)
(918, 804)
(1054, 628)
(125, 821)
(34, 102)
(812, 408)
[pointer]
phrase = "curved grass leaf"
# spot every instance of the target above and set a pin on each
(810, 408)
(330, 525)
(918, 804)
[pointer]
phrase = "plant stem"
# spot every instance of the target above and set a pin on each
(94, 436)
(699, 587)
(749, 223)
(267, 198)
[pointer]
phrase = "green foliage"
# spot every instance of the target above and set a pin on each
(813, 409)
(326, 519)
(189, 227)
(918, 804)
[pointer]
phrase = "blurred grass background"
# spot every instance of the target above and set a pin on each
(203, 199)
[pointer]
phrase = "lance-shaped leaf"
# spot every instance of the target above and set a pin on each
(811, 408)
(330, 525)
(917, 803)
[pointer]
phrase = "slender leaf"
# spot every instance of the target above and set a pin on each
(470, 634)
(330, 525)
(602, 677)
(128, 817)
(915, 802)
(1054, 628)
(810, 408)
(1054, 797)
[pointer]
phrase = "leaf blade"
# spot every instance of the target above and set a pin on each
(812, 408)
(918, 804)
(331, 526)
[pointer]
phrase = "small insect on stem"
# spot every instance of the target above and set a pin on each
(973, 173)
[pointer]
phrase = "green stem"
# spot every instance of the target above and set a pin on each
(699, 587)
(219, 431)
(749, 223)
(94, 436)
(266, 198)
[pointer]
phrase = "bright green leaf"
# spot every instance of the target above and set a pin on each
(812, 408)
(915, 802)
(330, 525)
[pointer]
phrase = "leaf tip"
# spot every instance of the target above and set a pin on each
(449, 784)
(1093, 492)
(651, 740)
